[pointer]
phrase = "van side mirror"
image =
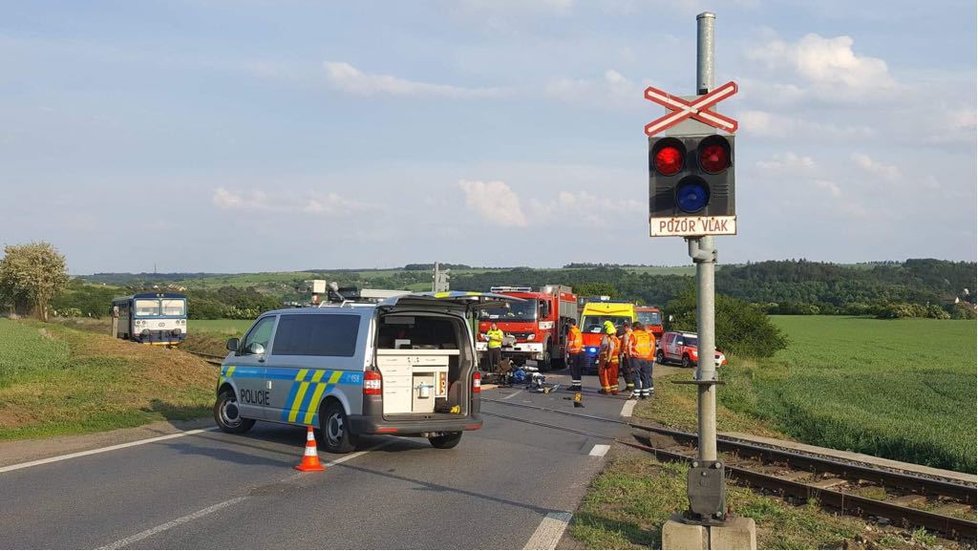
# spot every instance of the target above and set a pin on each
(232, 344)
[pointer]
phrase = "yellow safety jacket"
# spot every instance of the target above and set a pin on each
(495, 338)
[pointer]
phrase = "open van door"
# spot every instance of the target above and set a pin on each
(469, 302)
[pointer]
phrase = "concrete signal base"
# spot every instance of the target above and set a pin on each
(735, 533)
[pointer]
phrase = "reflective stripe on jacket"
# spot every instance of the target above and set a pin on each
(642, 345)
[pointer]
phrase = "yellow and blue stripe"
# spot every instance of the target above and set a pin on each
(308, 387)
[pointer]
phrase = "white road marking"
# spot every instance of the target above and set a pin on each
(173, 524)
(626, 410)
(599, 450)
(224, 504)
(548, 534)
(511, 395)
(102, 450)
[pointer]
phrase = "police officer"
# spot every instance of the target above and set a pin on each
(575, 347)
(494, 336)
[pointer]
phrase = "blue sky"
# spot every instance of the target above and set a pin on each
(238, 136)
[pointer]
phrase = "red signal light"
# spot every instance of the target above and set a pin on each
(714, 154)
(669, 157)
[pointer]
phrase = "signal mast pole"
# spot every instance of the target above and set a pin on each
(705, 483)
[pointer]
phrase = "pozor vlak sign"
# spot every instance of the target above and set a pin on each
(691, 177)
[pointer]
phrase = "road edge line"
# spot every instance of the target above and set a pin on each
(551, 529)
(74, 455)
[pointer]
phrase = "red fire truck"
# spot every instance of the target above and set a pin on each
(535, 329)
(651, 318)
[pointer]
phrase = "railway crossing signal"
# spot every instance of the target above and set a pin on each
(691, 185)
(691, 177)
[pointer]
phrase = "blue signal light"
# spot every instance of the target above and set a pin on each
(692, 195)
(592, 350)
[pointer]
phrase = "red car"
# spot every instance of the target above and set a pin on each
(681, 348)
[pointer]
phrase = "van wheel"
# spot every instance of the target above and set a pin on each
(227, 415)
(686, 362)
(335, 429)
(660, 358)
(446, 441)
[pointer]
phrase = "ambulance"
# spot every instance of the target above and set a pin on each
(596, 311)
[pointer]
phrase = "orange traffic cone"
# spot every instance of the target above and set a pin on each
(310, 459)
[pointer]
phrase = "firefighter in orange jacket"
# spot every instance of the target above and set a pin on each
(627, 373)
(608, 361)
(642, 355)
(575, 347)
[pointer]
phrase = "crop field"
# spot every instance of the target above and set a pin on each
(902, 389)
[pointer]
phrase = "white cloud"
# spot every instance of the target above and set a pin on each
(829, 64)
(787, 163)
(585, 207)
(866, 163)
(831, 187)
(347, 78)
(778, 125)
(513, 7)
(611, 88)
(494, 201)
(328, 203)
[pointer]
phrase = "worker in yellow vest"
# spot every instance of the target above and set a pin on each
(575, 348)
(642, 355)
(494, 336)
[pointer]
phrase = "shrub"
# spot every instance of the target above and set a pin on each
(742, 329)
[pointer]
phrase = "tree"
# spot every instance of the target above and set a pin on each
(31, 276)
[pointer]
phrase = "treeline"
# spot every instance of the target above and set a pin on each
(915, 288)
(81, 299)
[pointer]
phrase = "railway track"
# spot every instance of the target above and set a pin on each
(885, 494)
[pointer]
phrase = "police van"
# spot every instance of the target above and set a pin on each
(405, 366)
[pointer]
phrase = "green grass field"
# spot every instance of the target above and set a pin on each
(232, 328)
(903, 389)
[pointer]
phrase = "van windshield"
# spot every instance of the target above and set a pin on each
(594, 324)
(511, 311)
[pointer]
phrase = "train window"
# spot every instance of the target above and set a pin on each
(147, 307)
(174, 307)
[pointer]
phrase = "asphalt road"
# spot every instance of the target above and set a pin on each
(509, 485)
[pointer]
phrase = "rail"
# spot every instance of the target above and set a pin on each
(745, 462)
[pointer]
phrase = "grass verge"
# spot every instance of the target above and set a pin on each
(628, 503)
(55, 380)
